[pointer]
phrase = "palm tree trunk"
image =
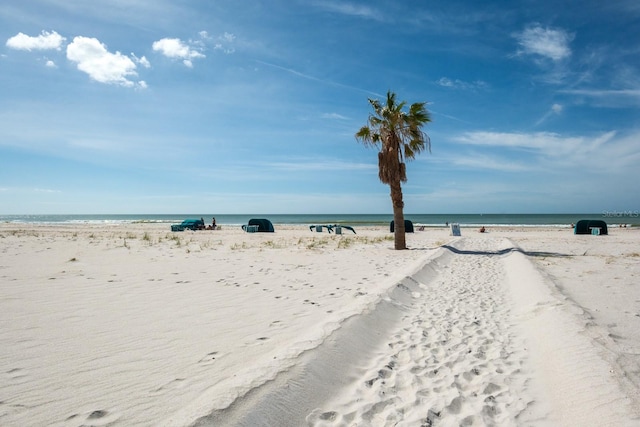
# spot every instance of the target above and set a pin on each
(398, 216)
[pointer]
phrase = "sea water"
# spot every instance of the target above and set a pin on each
(631, 218)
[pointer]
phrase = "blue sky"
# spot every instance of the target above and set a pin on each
(159, 106)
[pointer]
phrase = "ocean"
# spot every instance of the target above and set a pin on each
(630, 218)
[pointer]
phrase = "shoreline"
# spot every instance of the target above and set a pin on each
(613, 218)
(101, 321)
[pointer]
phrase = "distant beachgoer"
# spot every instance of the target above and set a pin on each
(213, 223)
(482, 229)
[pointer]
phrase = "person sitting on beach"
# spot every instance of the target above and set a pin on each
(482, 229)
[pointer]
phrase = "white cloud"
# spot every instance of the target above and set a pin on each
(177, 49)
(45, 41)
(548, 43)
(228, 37)
(142, 61)
(50, 64)
(459, 84)
(225, 42)
(101, 65)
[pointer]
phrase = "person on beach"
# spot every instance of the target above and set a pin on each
(482, 229)
(213, 223)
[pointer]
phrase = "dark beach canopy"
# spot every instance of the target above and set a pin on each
(584, 226)
(264, 225)
(408, 226)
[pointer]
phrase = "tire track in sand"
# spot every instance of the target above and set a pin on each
(455, 359)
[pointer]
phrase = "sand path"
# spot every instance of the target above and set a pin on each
(454, 360)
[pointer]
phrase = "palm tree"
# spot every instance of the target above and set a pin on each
(399, 137)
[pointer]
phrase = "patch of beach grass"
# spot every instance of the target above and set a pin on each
(176, 239)
(345, 243)
(317, 243)
(237, 246)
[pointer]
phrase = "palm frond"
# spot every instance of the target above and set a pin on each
(397, 130)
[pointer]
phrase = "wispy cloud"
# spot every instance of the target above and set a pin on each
(486, 162)
(351, 9)
(555, 110)
(317, 79)
(334, 116)
(314, 164)
(601, 152)
(93, 58)
(551, 143)
(46, 190)
(45, 41)
(460, 84)
(544, 42)
(24, 190)
(608, 97)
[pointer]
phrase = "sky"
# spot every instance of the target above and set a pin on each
(233, 107)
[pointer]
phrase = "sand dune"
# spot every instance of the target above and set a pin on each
(138, 326)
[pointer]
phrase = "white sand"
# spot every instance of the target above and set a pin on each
(134, 325)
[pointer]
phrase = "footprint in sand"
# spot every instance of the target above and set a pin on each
(16, 373)
(175, 384)
(209, 359)
(99, 417)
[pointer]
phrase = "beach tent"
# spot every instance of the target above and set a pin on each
(408, 226)
(585, 226)
(264, 225)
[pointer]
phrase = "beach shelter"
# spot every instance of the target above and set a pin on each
(264, 225)
(588, 226)
(408, 226)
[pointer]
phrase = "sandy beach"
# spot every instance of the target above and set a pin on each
(130, 324)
